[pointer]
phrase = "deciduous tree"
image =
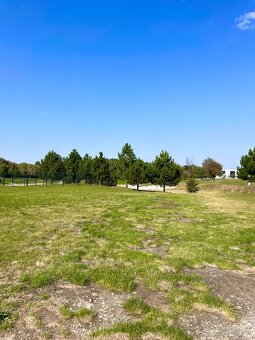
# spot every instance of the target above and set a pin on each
(212, 168)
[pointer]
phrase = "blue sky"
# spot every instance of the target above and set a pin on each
(93, 75)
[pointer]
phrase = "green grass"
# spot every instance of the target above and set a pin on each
(8, 314)
(137, 306)
(110, 236)
(116, 279)
(81, 313)
(40, 279)
(136, 329)
(74, 273)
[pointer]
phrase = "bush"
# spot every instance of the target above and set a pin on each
(192, 185)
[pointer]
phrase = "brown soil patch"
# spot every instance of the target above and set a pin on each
(159, 204)
(40, 318)
(235, 287)
(187, 220)
(150, 247)
(107, 305)
(40, 315)
(145, 229)
(153, 298)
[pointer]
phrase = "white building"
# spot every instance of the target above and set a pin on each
(229, 173)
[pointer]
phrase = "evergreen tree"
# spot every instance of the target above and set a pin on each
(247, 169)
(114, 165)
(101, 171)
(87, 169)
(165, 171)
(137, 173)
(192, 185)
(126, 158)
(52, 166)
(73, 167)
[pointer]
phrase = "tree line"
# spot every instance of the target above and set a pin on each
(127, 167)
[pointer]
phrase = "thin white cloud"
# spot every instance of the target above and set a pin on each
(246, 22)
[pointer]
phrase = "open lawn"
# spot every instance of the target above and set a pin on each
(78, 261)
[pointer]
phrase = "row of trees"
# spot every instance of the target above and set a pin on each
(127, 167)
(11, 169)
(99, 170)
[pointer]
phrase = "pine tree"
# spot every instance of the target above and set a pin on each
(73, 167)
(247, 169)
(52, 166)
(165, 171)
(87, 169)
(126, 158)
(101, 171)
(137, 173)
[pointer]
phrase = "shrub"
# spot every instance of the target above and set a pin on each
(192, 185)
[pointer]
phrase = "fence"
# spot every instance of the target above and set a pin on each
(27, 181)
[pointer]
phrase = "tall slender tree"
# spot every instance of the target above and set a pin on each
(126, 158)
(137, 173)
(87, 169)
(101, 171)
(73, 167)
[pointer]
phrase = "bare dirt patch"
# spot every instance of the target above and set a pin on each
(160, 204)
(149, 246)
(106, 305)
(235, 287)
(153, 298)
(144, 229)
(47, 320)
(41, 317)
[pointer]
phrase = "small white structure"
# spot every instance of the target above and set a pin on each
(229, 173)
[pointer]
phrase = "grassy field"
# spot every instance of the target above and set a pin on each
(130, 248)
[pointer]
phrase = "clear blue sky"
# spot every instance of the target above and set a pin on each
(158, 74)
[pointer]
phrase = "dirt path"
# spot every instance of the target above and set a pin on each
(236, 287)
(146, 187)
